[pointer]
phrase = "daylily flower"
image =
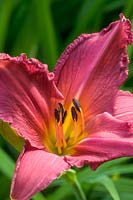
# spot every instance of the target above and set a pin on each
(72, 116)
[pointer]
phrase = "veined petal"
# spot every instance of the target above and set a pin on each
(109, 138)
(105, 123)
(26, 93)
(96, 151)
(11, 136)
(93, 67)
(123, 107)
(35, 170)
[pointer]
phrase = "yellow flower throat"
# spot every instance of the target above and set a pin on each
(68, 129)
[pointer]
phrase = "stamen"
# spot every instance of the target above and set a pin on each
(69, 127)
(82, 118)
(74, 113)
(57, 115)
(61, 108)
(60, 116)
(75, 132)
(76, 104)
(60, 140)
(64, 117)
(78, 108)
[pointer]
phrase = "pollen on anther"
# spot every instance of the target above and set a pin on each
(57, 115)
(74, 113)
(64, 117)
(61, 108)
(76, 104)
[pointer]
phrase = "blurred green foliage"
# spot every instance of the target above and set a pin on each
(42, 29)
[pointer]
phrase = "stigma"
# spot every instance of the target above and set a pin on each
(69, 125)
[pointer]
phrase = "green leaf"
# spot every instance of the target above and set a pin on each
(124, 185)
(105, 181)
(11, 136)
(38, 196)
(60, 192)
(111, 6)
(125, 188)
(128, 8)
(87, 13)
(7, 165)
(112, 163)
(5, 185)
(120, 169)
(71, 177)
(108, 168)
(6, 8)
(25, 40)
(45, 31)
(109, 185)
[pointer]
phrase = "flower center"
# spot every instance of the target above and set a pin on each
(69, 128)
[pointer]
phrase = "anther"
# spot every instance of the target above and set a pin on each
(57, 115)
(61, 108)
(64, 117)
(74, 113)
(76, 104)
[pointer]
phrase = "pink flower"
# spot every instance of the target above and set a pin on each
(72, 116)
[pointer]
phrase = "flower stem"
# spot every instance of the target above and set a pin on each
(71, 178)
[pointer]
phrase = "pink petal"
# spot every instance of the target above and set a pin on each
(109, 138)
(35, 170)
(26, 94)
(94, 66)
(123, 108)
